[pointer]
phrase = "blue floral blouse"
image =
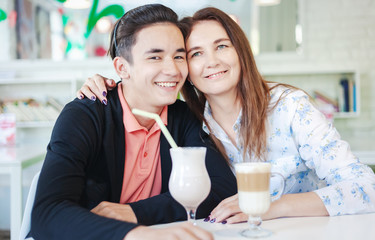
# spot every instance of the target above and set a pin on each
(307, 151)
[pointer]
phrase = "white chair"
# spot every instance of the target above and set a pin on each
(26, 221)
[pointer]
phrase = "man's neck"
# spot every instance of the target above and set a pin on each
(143, 121)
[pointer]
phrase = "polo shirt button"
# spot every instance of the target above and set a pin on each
(145, 154)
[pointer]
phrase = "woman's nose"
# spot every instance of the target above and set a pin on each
(212, 60)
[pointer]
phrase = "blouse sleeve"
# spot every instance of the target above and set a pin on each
(350, 185)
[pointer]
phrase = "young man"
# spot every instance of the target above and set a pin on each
(107, 170)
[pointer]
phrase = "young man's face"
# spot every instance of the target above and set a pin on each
(159, 67)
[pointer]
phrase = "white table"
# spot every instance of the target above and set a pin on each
(349, 227)
(12, 161)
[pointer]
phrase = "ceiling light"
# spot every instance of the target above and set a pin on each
(103, 25)
(267, 2)
(77, 4)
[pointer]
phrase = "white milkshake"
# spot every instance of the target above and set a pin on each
(189, 182)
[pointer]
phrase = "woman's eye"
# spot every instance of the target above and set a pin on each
(196, 54)
(221, 46)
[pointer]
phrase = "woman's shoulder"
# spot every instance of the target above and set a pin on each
(286, 101)
(286, 93)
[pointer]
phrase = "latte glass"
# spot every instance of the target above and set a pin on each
(189, 183)
(253, 181)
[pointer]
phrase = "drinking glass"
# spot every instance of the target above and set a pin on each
(189, 183)
(253, 181)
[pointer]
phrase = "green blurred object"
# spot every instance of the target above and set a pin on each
(68, 47)
(62, 1)
(3, 15)
(65, 20)
(115, 10)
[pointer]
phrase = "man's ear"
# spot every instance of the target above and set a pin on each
(121, 67)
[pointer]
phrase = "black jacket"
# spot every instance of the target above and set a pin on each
(84, 165)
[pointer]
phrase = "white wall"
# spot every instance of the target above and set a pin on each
(340, 34)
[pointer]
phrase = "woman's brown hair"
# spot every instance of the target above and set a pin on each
(253, 91)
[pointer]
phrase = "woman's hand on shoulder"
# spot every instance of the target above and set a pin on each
(184, 231)
(96, 87)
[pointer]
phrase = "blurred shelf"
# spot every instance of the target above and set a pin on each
(346, 114)
(35, 80)
(35, 124)
(306, 71)
(323, 80)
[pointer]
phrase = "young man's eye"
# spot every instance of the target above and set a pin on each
(180, 57)
(155, 58)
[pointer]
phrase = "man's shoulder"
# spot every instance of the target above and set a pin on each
(96, 106)
(178, 107)
(82, 106)
(178, 103)
(179, 111)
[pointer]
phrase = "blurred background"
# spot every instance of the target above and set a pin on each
(49, 47)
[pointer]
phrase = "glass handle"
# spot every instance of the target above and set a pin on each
(281, 191)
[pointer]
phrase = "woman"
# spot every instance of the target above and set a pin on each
(251, 119)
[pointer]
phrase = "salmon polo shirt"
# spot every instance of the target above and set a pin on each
(142, 171)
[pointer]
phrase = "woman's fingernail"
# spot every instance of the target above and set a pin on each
(104, 93)
(213, 220)
(80, 97)
(207, 219)
(104, 102)
(93, 98)
(224, 222)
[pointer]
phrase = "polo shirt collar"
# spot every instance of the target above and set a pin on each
(131, 123)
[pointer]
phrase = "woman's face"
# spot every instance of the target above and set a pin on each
(213, 62)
